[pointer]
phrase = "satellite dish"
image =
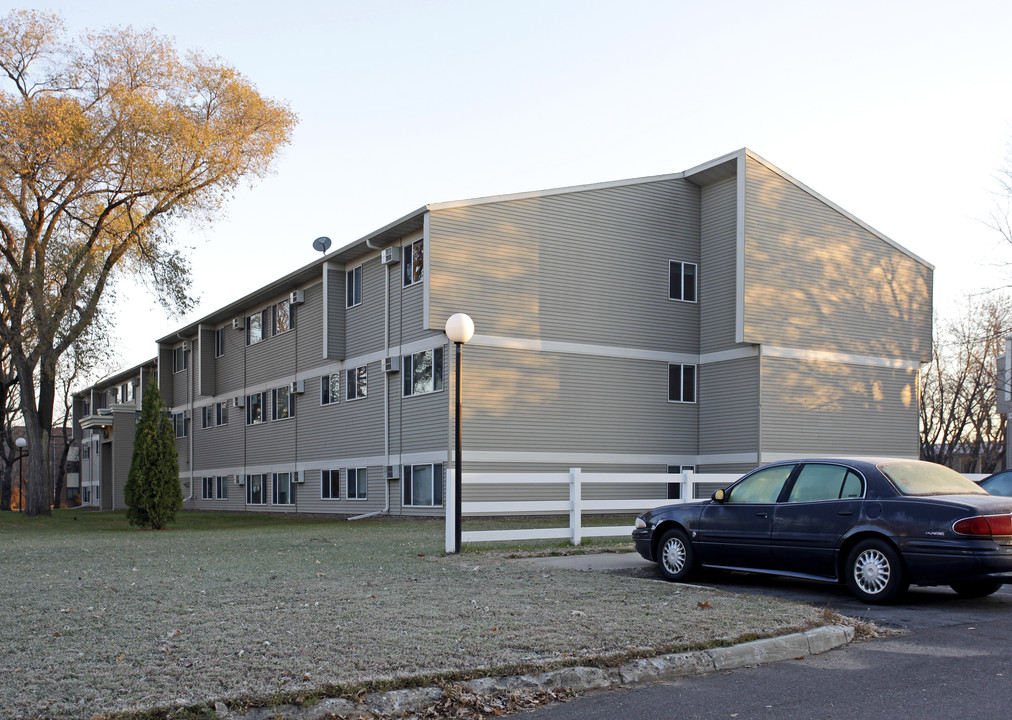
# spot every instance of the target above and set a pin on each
(321, 244)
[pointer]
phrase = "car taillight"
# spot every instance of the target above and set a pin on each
(984, 525)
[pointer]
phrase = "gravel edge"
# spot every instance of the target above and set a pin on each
(660, 668)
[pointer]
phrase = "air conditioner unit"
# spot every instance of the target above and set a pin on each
(239, 401)
(298, 387)
(392, 364)
(186, 346)
(297, 297)
(393, 472)
(390, 255)
(240, 479)
(238, 323)
(298, 477)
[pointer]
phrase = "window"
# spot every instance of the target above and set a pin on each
(180, 424)
(354, 287)
(675, 489)
(256, 410)
(331, 485)
(423, 485)
(682, 383)
(219, 342)
(762, 486)
(214, 415)
(358, 484)
(330, 389)
(682, 281)
(127, 392)
(423, 372)
(414, 262)
(357, 383)
(256, 489)
(255, 327)
(282, 489)
(825, 482)
(180, 358)
(283, 317)
(282, 403)
(221, 486)
(208, 489)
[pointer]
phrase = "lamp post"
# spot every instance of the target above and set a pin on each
(460, 329)
(21, 442)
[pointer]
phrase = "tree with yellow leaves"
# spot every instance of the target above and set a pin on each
(105, 142)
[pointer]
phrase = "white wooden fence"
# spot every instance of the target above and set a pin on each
(575, 506)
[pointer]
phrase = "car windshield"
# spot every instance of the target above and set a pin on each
(924, 478)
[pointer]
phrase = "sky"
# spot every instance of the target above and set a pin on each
(899, 112)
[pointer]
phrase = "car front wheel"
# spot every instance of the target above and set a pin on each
(676, 558)
(875, 572)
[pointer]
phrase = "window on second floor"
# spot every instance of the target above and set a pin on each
(282, 317)
(330, 389)
(357, 384)
(682, 383)
(256, 408)
(423, 372)
(414, 262)
(180, 358)
(682, 281)
(282, 403)
(219, 342)
(180, 425)
(354, 287)
(255, 327)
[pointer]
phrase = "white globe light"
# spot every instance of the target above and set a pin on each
(459, 328)
(20, 442)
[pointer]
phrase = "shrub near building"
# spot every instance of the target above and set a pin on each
(153, 494)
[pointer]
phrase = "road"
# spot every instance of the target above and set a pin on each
(952, 660)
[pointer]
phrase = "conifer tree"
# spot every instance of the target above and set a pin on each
(153, 494)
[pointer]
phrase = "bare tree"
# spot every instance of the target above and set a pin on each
(960, 426)
(105, 142)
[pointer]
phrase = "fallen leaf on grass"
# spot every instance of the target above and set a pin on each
(704, 605)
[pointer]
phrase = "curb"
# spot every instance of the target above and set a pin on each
(580, 678)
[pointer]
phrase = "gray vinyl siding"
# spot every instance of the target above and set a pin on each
(124, 430)
(205, 364)
(408, 316)
(420, 423)
(818, 408)
(718, 266)
(219, 446)
(816, 279)
(309, 499)
(548, 402)
(309, 329)
(271, 359)
(229, 368)
(729, 407)
(589, 266)
(364, 322)
(336, 313)
(165, 380)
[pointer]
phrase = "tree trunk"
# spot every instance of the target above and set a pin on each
(38, 418)
(5, 487)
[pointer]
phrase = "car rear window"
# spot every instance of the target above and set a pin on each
(923, 478)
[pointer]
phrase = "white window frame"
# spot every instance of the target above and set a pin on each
(261, 323)
(221, 487)
(408, 475)
(684, 286)
(261, 403)
(180, 358)
(414, 252)
(679, 397)
(276, 480)
(276, 315)
(219, 342)
(259, 479)
(328, 396)
(356, 383)
(408, 371)
(330, 479)
(282, 408)
(207, 488)
(357, 483)
(353, 287)
(180, 425)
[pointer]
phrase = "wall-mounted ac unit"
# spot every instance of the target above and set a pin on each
(186, 346)
(393, 472)
(390, 255)
(240, 479)
(299, 477)
(238, 323)
(239, 401)
(392, 364)
(298, 387)
(297, 297)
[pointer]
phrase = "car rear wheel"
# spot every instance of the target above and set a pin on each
(976, 588)
(676, 558)
(875, 572)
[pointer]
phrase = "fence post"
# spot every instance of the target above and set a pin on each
(576, 507)
(451, 511)
(688, 486)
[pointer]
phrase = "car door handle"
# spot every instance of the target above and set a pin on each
(762, 514)
(845, 513)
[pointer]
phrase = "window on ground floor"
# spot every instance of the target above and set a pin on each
(282, 494)
(423, 485)
(358, 484)
(330, 488)
(256, 489)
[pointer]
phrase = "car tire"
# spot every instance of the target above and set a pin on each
(976, 588)
(675, 556)
(875, 572)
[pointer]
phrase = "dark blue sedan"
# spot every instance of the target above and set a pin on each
(878, 525)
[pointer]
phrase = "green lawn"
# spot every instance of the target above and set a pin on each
(246, 609)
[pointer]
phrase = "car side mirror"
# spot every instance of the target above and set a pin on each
(718, 495)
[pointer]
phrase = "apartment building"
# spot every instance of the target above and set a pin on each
(715, 318)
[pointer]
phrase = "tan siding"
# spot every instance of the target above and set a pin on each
(588, 266)
(816, 279)
(817, 408)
